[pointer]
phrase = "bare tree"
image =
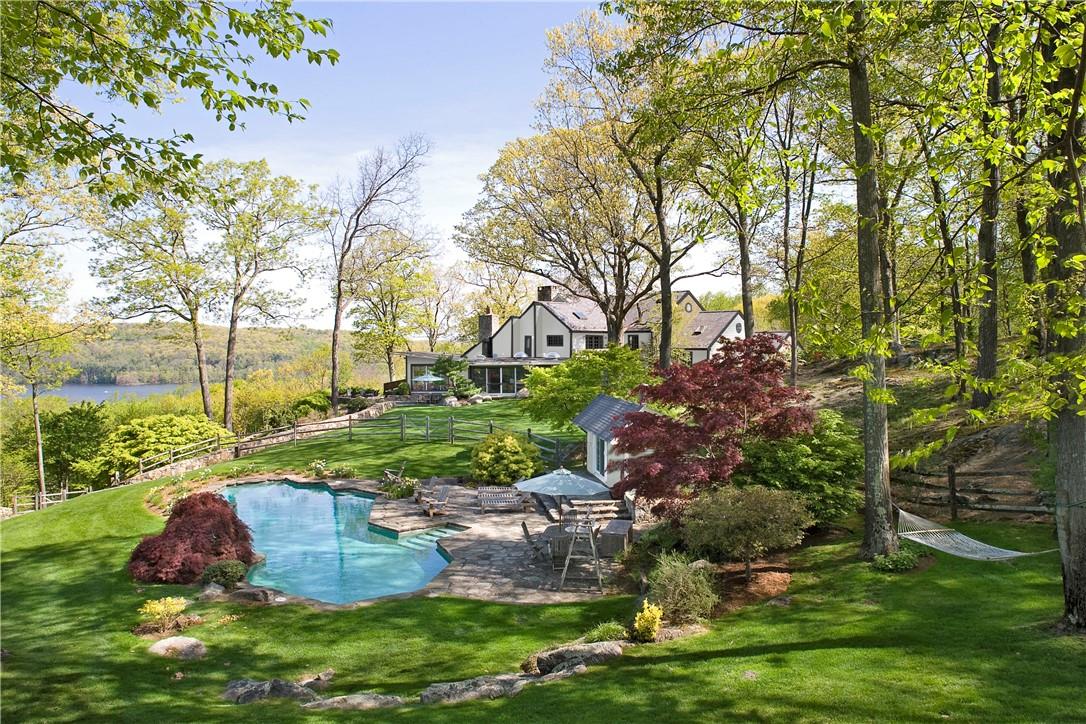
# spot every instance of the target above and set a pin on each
(440, 300)
(380, 197)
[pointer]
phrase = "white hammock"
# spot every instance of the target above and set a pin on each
(923, 531)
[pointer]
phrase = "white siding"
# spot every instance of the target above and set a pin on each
(611, 477)
(549, 326)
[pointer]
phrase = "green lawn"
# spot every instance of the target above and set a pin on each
(370, 453)
(961, 640)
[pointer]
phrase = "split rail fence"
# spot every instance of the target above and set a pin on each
(957, 490)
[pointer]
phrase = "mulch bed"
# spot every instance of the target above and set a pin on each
(769, 578)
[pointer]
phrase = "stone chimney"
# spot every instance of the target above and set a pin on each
(488, 323)
(544, 294)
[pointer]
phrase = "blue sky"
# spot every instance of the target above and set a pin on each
(465, 74)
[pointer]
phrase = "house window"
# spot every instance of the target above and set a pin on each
(487, 348)
(689, 307)
(633, 341)
(528, 345)
(601, 456)
(555, 340)
(593, 341)
(738, 327)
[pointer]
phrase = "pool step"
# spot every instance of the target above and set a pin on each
(425, 541)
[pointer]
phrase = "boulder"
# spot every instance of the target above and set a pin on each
(572, 655)
(212, 592)
(243, 691)
(449, 401)
(475, 398)
(487, 398)
(319, 682)
(670, 633)
(564, 671)
(362, 700)
(258, 595)
(179, 647)
(523, 393)
(481, 687)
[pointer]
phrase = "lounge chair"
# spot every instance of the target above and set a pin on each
(539, 549)
(436, 505)
(505, 499)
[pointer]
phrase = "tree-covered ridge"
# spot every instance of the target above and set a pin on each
(142, 353)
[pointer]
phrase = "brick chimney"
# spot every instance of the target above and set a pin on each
(544, 293)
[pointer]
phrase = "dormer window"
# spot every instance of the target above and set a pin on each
(689, 307)
(738, 327)
(697, 330)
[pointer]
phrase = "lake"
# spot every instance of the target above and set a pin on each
(102, 393)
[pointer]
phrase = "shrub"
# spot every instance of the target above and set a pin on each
(824, 466)
(742, 524)
(683, 591)
(403, 389)
(317, 468)
(647, 622)
(606, 631)
(225, 573)
(556, 394)
(202, 529)
(163, 613)
(640, 558)
(397, 489)
(503, 458)
(123, 448)
(905, 559)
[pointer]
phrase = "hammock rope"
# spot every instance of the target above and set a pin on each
(925, 532)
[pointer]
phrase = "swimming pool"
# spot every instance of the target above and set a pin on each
(318, 543)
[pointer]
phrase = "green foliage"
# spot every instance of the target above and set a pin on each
(227, 574)
(403, 389)
(163, 613)
(825, 467)
(684, 592)
(144, 56)
(558, 393)
(455, 382)
(399, 488)
(71, 438)
(905, 559)
(743, 524)
(606, 631)
(503, 458)
(123, 448)
(647, 622)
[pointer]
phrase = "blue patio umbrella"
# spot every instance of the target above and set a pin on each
(562, 482)
(428, 377)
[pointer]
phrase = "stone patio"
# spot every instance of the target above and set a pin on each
(490, 559)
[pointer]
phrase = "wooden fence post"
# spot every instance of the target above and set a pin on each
(141, 465)
(952, 483)
(491, 427)
(295, 433)
(171, 456)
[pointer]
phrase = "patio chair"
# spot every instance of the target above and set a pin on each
(437, 504)
(539, 549)
(504, 499)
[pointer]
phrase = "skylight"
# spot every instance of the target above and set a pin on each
(580, 315)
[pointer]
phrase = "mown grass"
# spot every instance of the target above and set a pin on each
(373, 450)
(961, 640)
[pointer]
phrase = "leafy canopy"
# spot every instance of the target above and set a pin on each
(557, 394)
(145, 54)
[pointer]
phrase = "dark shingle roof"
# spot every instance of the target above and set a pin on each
(704, 329)
(602, 414)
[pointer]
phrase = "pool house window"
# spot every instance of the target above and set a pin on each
(593, 341)
(601, 456)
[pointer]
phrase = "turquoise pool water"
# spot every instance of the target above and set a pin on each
(319, 544)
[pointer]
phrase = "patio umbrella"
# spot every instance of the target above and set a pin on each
(428, 377)
(562, 482)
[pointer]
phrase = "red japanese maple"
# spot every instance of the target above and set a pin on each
(709, 410)
(202, 530)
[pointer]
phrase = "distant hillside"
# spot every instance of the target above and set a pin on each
(159, 353)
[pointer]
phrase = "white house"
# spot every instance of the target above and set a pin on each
(600, 420)
(557, 325)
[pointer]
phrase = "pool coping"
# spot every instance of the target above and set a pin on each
(486, 559)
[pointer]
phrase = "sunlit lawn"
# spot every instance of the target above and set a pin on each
(962, 640)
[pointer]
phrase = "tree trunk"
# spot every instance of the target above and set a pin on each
(743, 238)
(666, 307)
(988, 333)
(1066, 226)
(793, 332)
(749, 570)
(879, 534)
(40, 503)
(391, 364)
(337, 322)
(201, 365)
(231, 355)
